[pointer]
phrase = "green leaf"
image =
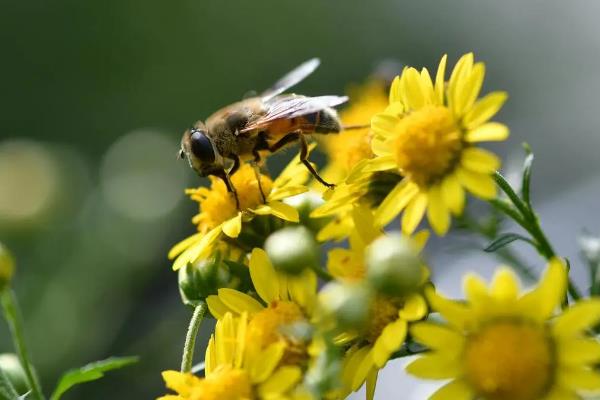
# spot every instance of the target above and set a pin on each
(527, 179)
(504, 240)
(88, 373)
(7, 390)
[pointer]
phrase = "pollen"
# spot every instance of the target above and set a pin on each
(268, 326)
(383, 312)
(218, 205)
(225, 383)
(428, 145)
(509, 360)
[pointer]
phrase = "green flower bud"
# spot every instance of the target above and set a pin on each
(347, 303)
(201, 279)
(7, 266)
(10, 364)
(292, 249)
(394, 265)
(305, 203)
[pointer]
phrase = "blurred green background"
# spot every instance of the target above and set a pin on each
(95, 95)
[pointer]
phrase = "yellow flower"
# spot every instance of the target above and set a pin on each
(285, 300)
(502, 345)
(389, 317)
(347, 148)
(219, 215)
(428, 134)
(234, 369)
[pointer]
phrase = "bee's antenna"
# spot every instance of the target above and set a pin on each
(351, 127)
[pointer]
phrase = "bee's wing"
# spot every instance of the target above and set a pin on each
(291, 78)
(291, 106)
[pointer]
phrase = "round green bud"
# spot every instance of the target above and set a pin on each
(292, 249)
(347, 303)
(306, 203)
(393, 265)
(201, 279)
(10, 364)
(7, 266)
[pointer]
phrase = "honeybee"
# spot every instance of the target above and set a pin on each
(264, 124)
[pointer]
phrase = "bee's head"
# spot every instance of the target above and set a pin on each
(197, 147)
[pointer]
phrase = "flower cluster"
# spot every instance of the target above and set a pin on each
(314, 290)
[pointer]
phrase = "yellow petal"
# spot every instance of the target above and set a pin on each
(362, 371)
(580, 378)
(371, 384)
(505, 286)
(541, 302)
(395, 91)
(280, 382)
(413, 214)
(210, 358)
(390, 340)
(384, 125)
(415, 94)
(481, 185)
(225, 342)
(427, 87)
(468, 89)
(216, 307)
(475, 288)
(264, 276)
(479, 160)
(440, 80)
(184, 244)
(561, 393)
(287, 191)
(414, 309)
(484, 109)
(280, 210)
(490, 132)
(577, 318)
(437, 212)
(303, 289)
(383, 163)
(437, 337)
(420, 239)
(459, 75)
(262, 367)
(457, 314)
(435, 366)
(200, 249)
(238, 301)
(455, 390)
(453, 194)
(233, 226)
(363, 221)
(242, 327)
(394, 202)
(578, 351)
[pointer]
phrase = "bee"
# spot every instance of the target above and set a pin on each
(264, 124)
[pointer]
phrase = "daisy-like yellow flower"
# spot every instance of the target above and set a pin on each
(428, 134)
(285, 301)
(503, 345)
(219, 214)
(347, 148)
(234, 370)
(389, 317)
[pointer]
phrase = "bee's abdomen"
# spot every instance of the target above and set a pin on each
(323, 121)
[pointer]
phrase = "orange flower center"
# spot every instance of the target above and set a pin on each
(217, 205)
(383, 312)
(509, 360)
(268, 326)
(428, 144)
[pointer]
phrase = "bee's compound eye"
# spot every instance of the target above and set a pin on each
(202, 147)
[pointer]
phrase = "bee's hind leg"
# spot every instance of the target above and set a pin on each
(224, 175)
(307, 164)
(256, 166)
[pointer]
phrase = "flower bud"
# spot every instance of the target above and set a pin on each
(7, 266)
(292, 249)
(201, 279)
(347, 303)
(11, 366)
(305, 203)
(394, 266)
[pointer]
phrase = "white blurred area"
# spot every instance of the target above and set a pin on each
(140, 176)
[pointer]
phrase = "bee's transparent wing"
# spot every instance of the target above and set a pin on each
(291, 106)
(291, 78)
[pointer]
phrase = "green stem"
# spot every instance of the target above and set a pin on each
(321, 273)
(190, 337)
(12, 314)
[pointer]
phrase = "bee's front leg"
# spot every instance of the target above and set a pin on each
(224, 175)
(307, 164)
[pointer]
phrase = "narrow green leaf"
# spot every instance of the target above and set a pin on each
(89, 372)
(504, 240)
(7, 390)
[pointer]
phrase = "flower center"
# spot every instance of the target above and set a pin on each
(383, 312)
(267, 327)
(428, 144)
(225, 383)
(509, 360)
(217, 205)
